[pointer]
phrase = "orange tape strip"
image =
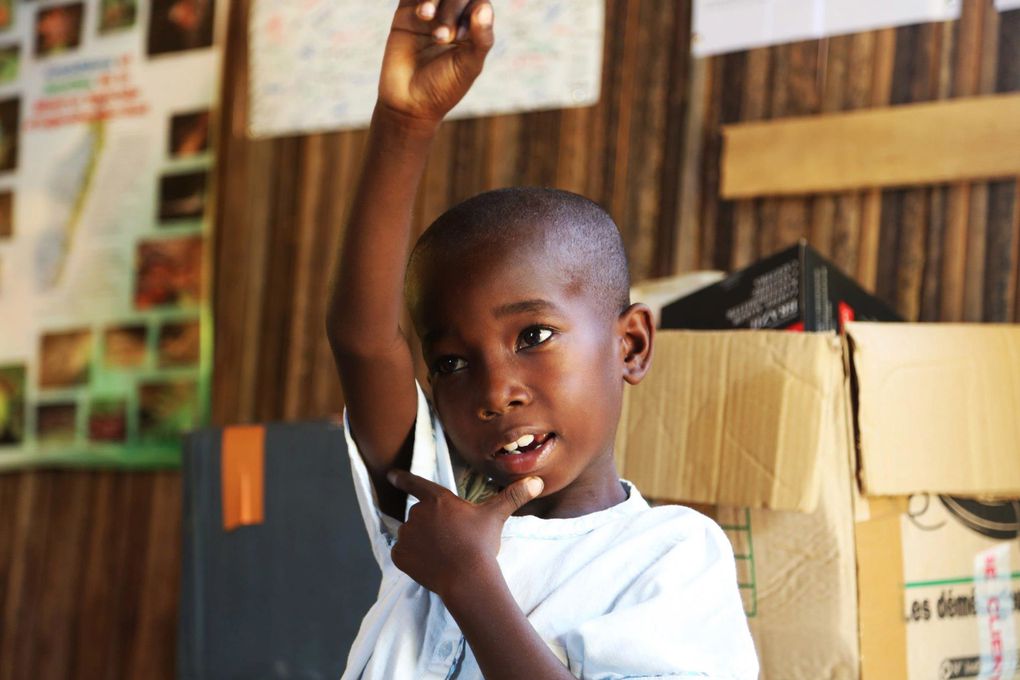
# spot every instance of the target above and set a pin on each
(242, 474)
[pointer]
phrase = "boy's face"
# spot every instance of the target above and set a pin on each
(518, 347)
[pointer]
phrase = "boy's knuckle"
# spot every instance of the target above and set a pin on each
(516, 496)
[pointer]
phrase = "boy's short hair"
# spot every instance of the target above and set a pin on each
(516, 217)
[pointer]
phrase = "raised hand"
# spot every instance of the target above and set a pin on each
(447, 540)
(435, 50)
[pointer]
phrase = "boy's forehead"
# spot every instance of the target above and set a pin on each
(496, 279)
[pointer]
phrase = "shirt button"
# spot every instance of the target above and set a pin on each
(445, 649)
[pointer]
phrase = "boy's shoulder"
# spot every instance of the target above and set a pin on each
(679, 525)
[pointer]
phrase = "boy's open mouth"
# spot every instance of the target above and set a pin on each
(524, 444)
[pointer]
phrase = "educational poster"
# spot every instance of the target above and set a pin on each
(105, 203)
(735, 25)
(315, 64)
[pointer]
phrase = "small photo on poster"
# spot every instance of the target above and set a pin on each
(180, 344)
(12, 404)
(177, 25)
(167, 408)
(6, 14)
(169, 272)
(182, 195)
(189, 134)
(108, 420)
(64, 358)
(58, 29)
(10, 116)
(125, 346)
(6, 214)
(10, 63)
(56, 423)
(115, 15)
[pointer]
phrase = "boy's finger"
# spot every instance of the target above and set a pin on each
(426, 10)
(416, 486)
(447, 19)
(517, 495)
(481, 26)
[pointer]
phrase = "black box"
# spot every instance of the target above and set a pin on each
(796, 289)
(284, 598)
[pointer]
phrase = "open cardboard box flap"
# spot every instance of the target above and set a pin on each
(733, 418)
(938, 408)
(743, 417)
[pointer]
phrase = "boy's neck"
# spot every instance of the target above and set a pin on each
(599, 489)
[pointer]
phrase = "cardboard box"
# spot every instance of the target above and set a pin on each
(819, 489)
(796, 289)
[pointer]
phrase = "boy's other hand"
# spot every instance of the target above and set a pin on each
(447, 540)
(435, 50)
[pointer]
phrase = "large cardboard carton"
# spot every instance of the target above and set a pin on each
(819, 453)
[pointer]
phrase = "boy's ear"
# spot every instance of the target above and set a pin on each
(636, 332)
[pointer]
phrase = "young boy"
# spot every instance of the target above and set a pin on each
(524, 556)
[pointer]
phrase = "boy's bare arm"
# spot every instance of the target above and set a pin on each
(425, 73)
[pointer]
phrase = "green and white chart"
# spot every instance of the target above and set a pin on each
(105, 205)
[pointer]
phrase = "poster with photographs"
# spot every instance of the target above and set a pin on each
(106, 171)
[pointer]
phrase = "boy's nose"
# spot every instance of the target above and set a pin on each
(501, 392)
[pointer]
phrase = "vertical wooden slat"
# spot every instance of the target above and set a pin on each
(152, 656)
(300, 349)
(966, 80)
(1014, 316)
(677, 101)
(732, 84)
(932, 284)
(754, 106)
(870, 224)
(1000, 255)
(505, 152)
(92, 653)
(627, 26)
(977, 229)
(689, 209)
(857, 94)
(27, 530)
(1009, 81)
(890, 219)
(709, 164)
(59, 603)
(573, 165)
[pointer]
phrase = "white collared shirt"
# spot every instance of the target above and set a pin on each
(626, 592)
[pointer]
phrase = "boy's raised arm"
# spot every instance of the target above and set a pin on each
(427, 69)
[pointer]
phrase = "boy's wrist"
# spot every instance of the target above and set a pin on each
(464, 591)
(394, 122)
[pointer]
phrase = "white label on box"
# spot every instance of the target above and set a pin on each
(941, 594)
(994, 603)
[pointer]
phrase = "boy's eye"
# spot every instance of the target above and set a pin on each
(448, 364)
(535, 335)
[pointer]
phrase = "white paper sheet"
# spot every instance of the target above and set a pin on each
(732, 25)
(315, 64)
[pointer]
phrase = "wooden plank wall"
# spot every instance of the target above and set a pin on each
(946, 253)
(89, 560)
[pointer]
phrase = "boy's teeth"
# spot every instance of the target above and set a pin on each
(523, 441)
